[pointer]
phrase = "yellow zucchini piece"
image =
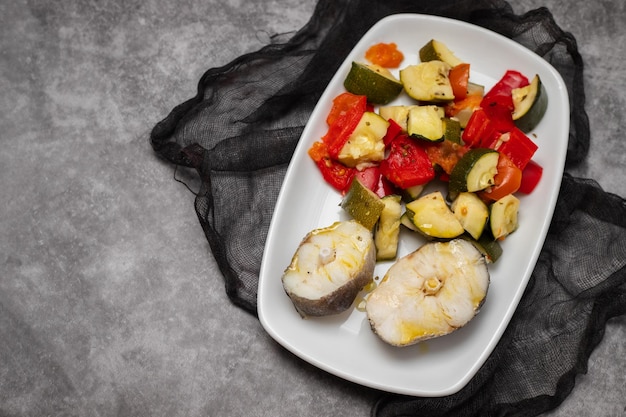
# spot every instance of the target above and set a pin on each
(387, 232)
(503, 217)
(425, 122)
(428, 81)
(399, 114)
(437, 50)
(433, 217)
(471, 212)
(365, 144)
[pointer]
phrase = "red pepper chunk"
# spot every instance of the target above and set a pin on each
(372, 178)
(334, 172)
(498, 102)
(342, 104)
(393, 130)
(531, 175)
(459, 79)
(479, 128)
(343, 118)
(407, 164)
(506, 181)
(490, 131)
(518, 147)
(500, 95)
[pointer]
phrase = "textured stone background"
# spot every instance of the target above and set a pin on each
(110, 301)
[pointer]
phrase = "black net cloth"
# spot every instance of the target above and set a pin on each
(239, 132)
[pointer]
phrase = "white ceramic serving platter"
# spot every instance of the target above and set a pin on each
(344, 345)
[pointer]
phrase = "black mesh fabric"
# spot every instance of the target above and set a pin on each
(239, 132)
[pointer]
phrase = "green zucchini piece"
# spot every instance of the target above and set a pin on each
(436, 50)
(377, 83)
(433, 217)
(452, 130)
(474, 171)
(471, 212)
(490, 248)
(428, 81)
(366, 143)
(364, 205)
(425, 122)
(387, 232)
(530, 104)
(406, 220)
(411, 193)
(503, 216)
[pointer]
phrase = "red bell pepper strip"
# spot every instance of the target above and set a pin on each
(407, 164)
(498, 102)
(493, 117)
(334, 172)
(499, 97)
(518, 147)
(341, 105)
(344, 121)
(393, 130)
(459, 79)
(479, 128)
(485, 130)
(531, 175)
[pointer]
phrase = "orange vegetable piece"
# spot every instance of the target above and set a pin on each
(459, 78)
(384, 54)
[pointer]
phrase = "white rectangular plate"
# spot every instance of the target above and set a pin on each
(344, 345)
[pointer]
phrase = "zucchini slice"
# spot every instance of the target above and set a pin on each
(452, 130)
(530, 104)
(428, 81)
(490, 248)
(472, 213)
(425, 122)
(399, 114)
(437, 50)
(362, 204)
(407, 221)
(433, 217)
(387, 232)
(366, 143)
(373, 81)
(412, 193)
(503, 216)
(474, 171)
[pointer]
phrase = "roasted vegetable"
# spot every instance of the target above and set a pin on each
(373, 81)
(433, 218)
(427, 81)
